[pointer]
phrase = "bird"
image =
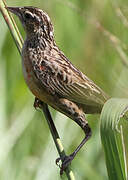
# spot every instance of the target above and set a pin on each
(52, 78)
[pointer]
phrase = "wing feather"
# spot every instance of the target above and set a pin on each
(67, 81)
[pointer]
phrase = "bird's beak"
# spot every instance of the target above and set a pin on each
(14, 10)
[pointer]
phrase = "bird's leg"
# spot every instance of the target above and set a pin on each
(74, 112)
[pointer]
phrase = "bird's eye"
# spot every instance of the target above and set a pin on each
(28, 15)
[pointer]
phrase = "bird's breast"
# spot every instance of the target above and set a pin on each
(28, 74)
(33, 83)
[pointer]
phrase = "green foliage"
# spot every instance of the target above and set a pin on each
(112, 137)
(27, 149)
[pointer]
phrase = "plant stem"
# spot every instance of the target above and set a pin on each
(56, 138)
(11, 25)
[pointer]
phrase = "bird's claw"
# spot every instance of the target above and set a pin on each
(66, 160)
(37, 103)
(58, 162)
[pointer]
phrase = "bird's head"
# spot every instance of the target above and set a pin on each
(33, 20)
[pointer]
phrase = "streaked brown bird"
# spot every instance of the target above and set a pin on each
(52, 78)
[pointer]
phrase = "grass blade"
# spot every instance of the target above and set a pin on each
(112, 137)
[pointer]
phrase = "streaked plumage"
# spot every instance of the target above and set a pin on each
(51, 77)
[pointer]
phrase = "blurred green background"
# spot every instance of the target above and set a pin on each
(27, 150)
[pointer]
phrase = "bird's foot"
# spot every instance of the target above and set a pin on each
(37, 103)
(66, 160)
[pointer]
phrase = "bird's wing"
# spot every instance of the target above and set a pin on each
(63, 78)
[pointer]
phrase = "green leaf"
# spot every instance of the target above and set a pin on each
(112, 137)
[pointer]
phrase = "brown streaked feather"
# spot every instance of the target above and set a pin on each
(54, 72)
(68, 82)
